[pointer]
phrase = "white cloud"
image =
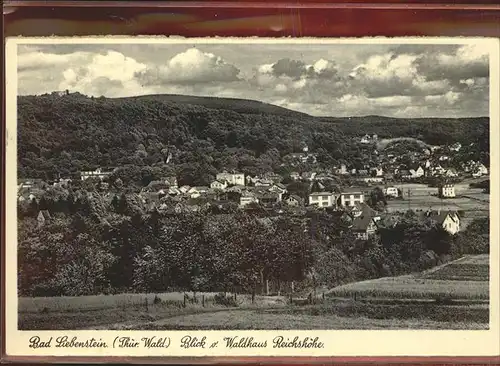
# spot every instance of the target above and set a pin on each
(191, 66)
(38, 59)
(405, 81)
(113, 68)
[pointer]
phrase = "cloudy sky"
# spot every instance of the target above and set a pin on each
(322, 80)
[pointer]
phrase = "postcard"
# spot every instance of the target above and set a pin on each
(213, 197)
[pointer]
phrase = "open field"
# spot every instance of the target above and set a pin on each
(451, 296)
(410, 287)
(472, 201)
(124, 301)
(463, 279)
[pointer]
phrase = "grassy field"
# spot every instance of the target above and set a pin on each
(464, 279)
(68, 303)
(123, 301)
(472, 202)
(452, 296)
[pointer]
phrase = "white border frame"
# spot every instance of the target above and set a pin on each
(337, 342)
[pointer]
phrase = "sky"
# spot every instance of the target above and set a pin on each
(406, 80)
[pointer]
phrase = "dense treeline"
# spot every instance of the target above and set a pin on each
(61, 135)
(92, 246)
(434, 131)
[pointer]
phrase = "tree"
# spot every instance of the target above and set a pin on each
(377, 199)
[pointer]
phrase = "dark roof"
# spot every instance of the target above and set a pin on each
(388, 221)
(295, 197)
(269, 195)
(438, 216)
(350, 190)
(361, 223)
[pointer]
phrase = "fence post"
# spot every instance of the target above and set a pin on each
(184, 300)
(323, 296)
(203, 300)
(291, 298)
(253, 296)
(146, 303)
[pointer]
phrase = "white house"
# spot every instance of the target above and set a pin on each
(237, 179)
(448, 220)
(322, 199)
(171, 181)
(247, 198)
(456, 146)
(218, 184)
(351, 197)
(391, 192)
(249, 179)
(447, 191)
(279, 189)
(342, 170)
(195, 192)
(419, 172)
(98, 173)
(451, 173)
(184, 189)
(480, 170)
(365, 139)
(174, 191)
(379, 172)
(372, 179)
(263, 183)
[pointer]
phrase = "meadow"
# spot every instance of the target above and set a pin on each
(464, 279)
(451, 296)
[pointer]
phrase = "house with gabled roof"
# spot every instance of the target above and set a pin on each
(363, 227)
(322, 199)
(363, 220)
(268, 199)
(263, 183)
(248, 197)
(170, 181)
(234, 178)
(219, 184)
(195, 192)
(294, 200)
(351, 196)
(448, 220)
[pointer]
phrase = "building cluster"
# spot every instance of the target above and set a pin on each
(400, 164)
(235, 190)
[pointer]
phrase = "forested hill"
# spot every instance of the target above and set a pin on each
(65, 134)
(230, 104)
(434, 131)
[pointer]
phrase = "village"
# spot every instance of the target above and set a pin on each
(369, 198)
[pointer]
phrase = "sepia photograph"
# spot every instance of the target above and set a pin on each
(193, 186)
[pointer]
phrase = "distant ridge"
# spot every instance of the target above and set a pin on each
(245, 106)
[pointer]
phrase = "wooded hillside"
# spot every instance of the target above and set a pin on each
(66, 134)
